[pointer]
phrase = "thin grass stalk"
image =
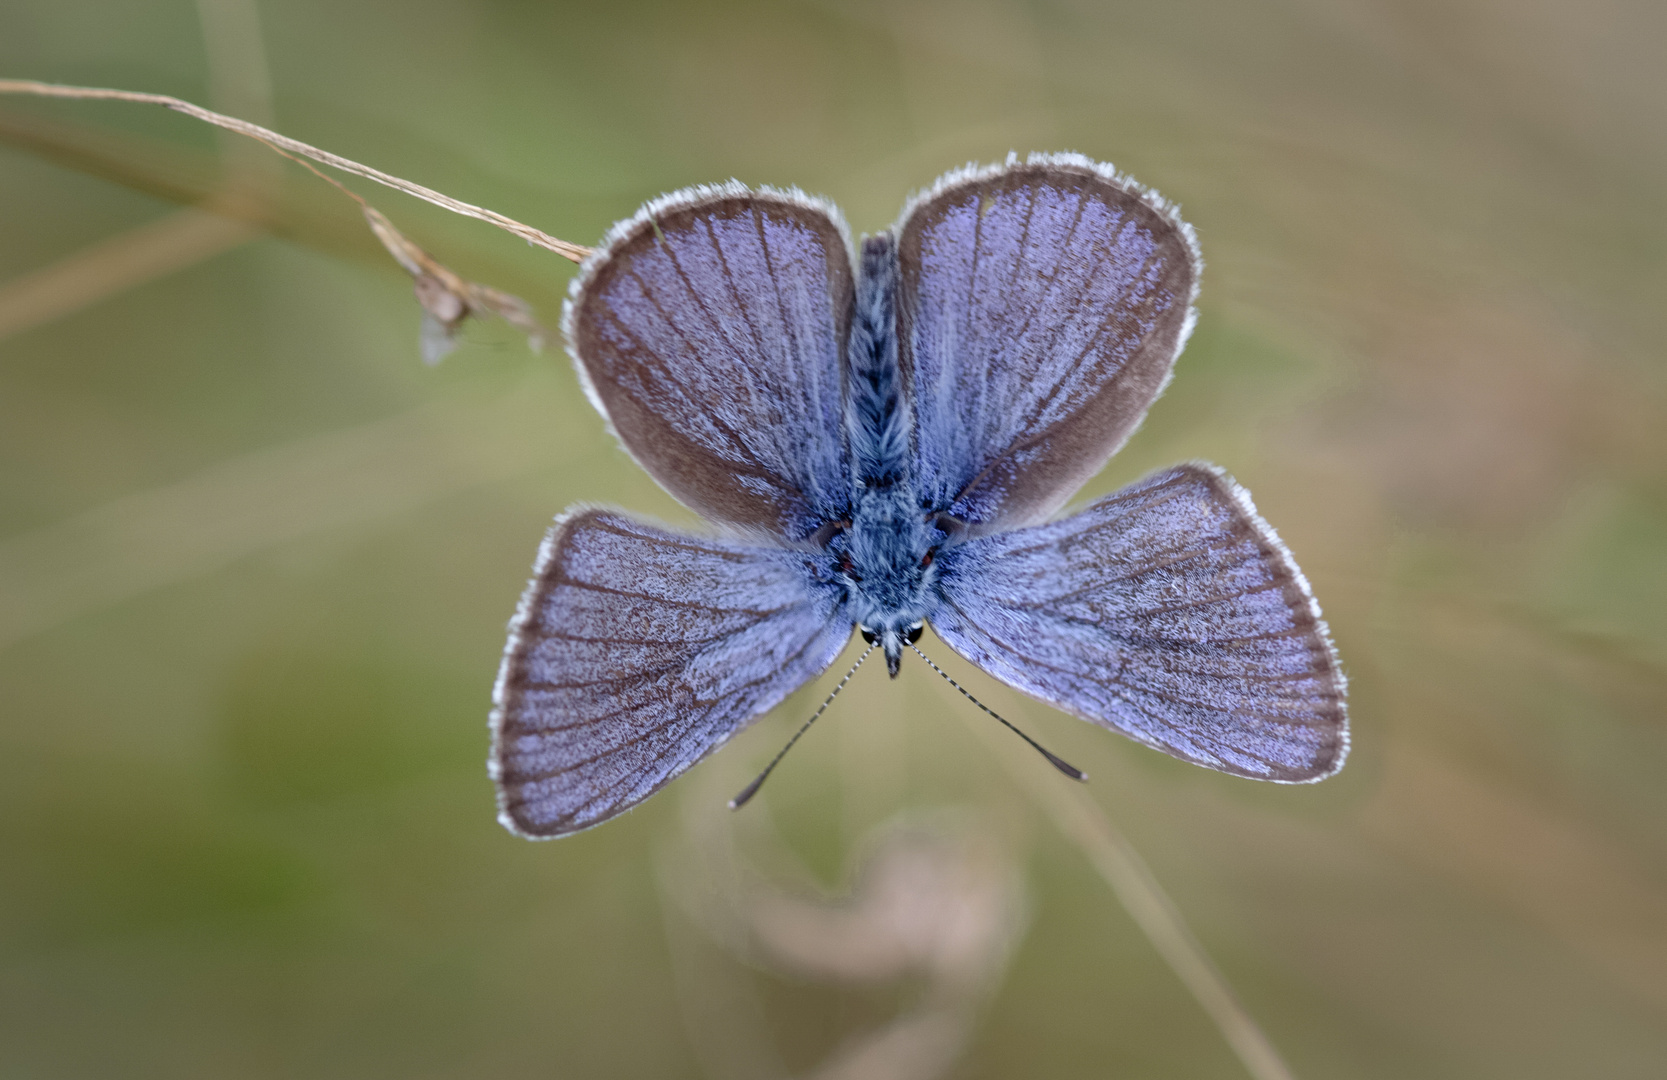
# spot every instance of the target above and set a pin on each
(574, 252)
(1084, 823)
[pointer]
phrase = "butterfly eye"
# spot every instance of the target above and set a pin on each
(868, 635)
(912, 634)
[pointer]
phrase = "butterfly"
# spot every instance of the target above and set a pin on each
(886, 436)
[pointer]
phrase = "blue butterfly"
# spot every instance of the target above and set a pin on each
(887, 445)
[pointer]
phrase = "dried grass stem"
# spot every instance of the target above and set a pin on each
(294, 146)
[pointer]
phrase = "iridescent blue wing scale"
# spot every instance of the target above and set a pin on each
(635, 652)
(1169, 612)
(1041, 306)
(710, 330)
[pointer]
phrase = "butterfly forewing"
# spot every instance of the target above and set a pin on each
(1041, 308)
(1170, 612)
(636, 652)
(710, 328)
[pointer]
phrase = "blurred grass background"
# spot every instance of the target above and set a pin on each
(256, 559)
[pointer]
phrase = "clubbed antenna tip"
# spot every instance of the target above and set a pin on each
(752, 789)
(1053, 759)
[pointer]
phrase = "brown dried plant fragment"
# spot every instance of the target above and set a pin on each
(448, 299)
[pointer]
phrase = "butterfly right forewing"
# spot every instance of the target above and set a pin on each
(1169, 611)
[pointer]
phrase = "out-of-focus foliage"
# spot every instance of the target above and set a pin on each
(256, 558)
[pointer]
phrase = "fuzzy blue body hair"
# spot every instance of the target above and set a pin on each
(887, 562)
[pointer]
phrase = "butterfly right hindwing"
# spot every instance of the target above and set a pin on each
(1041, 307)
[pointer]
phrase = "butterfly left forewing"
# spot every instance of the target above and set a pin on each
(1169, 611)
(635, 653)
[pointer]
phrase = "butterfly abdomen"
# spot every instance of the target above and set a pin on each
(876, 422)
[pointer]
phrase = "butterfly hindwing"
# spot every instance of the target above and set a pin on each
(635, 653)
(1168, 611)
(710, 329)
(1041, 307)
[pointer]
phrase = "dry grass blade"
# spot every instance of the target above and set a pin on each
(447, 299)
(1084, 823)
(294, 146)
(260, 501)
(1078, 816)
(114, 265)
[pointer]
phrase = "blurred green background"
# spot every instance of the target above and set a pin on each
(256, 559)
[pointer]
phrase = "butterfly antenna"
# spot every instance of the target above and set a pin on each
(1053, 759)
(752, 789)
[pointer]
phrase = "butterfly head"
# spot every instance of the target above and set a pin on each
(888, 562)
(892, 640)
